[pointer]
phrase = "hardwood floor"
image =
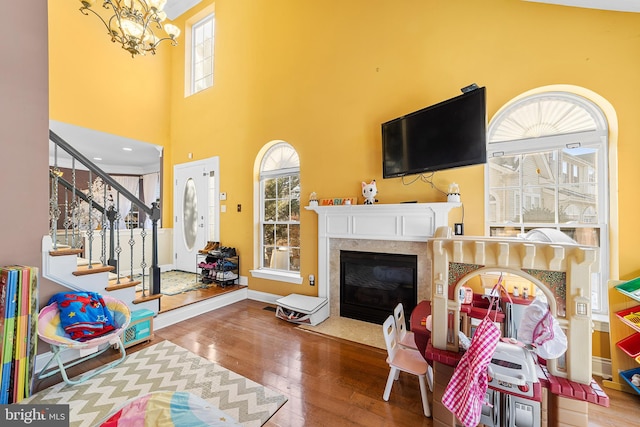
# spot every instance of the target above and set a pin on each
(328, 381)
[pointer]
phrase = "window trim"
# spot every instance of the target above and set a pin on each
(277, 275)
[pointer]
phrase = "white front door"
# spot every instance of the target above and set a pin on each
(195, 210)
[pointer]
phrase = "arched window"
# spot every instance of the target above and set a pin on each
(547, 167)
(279, 213)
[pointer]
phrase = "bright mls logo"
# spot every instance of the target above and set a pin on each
(34, 415)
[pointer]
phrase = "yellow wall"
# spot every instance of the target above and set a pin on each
(324, 75)
(96, 84)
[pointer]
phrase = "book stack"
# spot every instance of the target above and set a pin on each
(18, 330)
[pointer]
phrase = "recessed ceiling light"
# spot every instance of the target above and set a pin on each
(97, 158)
(127, 149)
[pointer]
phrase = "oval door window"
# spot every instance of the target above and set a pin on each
(190, 213)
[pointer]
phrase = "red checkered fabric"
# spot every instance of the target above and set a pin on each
(465, 393)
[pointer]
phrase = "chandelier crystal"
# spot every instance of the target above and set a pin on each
(132, 23)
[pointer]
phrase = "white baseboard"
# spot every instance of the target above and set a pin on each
(263, 297)
(601, 367)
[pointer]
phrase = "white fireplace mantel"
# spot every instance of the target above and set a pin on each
(410, 222)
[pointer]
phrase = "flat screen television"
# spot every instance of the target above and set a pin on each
(446, 135)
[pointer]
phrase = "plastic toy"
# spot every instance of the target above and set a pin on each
(369, 192)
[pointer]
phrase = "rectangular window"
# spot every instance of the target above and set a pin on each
(527, 194)
(202, 42)
(281, 223)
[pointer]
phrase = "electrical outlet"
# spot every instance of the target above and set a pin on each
(223, 196)
(458, 229)
(312, 280)
(239, 207)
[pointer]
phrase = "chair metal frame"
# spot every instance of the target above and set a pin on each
(51, 332)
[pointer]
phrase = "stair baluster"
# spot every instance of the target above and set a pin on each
(82, 210)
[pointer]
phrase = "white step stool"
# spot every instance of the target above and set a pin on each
(302, 309)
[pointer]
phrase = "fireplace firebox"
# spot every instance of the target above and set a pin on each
(372, 284)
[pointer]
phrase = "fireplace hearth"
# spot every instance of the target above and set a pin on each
(372, 284)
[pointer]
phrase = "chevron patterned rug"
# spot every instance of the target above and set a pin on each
(163, 367)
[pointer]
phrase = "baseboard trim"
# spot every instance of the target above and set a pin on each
(601, 367)
(263, 297)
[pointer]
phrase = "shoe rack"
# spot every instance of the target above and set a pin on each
(218, 264)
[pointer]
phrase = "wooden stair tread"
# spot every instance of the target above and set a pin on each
(65, 251)
(113, 284)
(95, 268)
(141, 299)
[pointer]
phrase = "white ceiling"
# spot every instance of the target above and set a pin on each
(617, 5)
(145, 157)
(175, 8)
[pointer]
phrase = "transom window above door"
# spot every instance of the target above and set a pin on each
(200, 37)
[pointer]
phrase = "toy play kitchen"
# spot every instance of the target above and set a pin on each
(522, 389)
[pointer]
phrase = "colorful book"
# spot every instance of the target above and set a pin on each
(22, 325)
(32, 332)
(3, 296)
(11, 277)
(15, 368)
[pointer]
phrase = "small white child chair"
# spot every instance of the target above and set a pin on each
(405, 360)
(405, 338)
(51, 331)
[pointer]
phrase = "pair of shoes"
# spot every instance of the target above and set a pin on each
(229, 252)
(207, 265)
(228, 265)
(223, 252)
(226, 275)
(209, 247)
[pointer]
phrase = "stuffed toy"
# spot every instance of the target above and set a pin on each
(369, 192)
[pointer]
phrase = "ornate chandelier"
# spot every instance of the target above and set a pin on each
(132, 23)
